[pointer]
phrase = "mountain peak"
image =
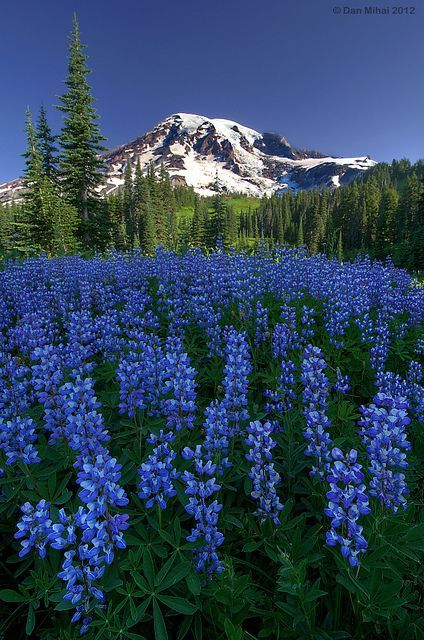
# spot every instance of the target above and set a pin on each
(195, 149)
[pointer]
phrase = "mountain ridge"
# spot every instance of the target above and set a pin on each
(196, 150)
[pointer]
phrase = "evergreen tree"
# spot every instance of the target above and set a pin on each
(156, 209)
(49, 220)
(140, 188)
(411, 203)
(148, 235)
(118, 232)
(230, 228)
(372, 199)
(7, 227)
(340, 247)
(385, 223)
(169, 204)
(217, 217)
(65, 222)
(128, 203)
(46, 142)
(145, 211)
(299, 238)
(80, 138)
(416, 257)
(198, 223)
(37, 227)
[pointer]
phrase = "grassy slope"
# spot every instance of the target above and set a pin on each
(238, 203)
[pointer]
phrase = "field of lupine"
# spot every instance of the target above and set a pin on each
(221, 447)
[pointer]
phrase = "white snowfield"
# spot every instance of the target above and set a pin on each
(197, 150)
(250, 171)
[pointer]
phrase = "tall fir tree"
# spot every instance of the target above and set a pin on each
(80, 139)
(299, 238)
(50, 220)
(385, 224)
(340, 247)
(217, 217)
(156, 208)
(47, 145)
(229, 237)
(139, 191)
(7, 222)
(198, 223)
(118, 231)
(128, 202)
(36, 228)
(170, 207)
(148, 240)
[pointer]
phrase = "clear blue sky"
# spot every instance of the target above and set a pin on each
(343, 84)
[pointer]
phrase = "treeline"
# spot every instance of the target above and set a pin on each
(213, 221)
(381, 213)
(142, 215)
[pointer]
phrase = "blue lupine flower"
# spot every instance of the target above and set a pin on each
(315, 400)
(380, 344)
(33, 528)
(281, 400)
(62, 534)
(263, 474)
(84, 427)
(179, 387)
(261, 323)
(80, 590)
(342, 384)
(217, 436)
(48, 374)
(307, 321)
(347, 502)
(69, 314)
(410, 388)
(17, 437)
(141, 375)
(158, 472)
(237, 369)
(98, 479)
(15, 391)
(285, 337)
(383, 432)
(200, 486)
(130, 374)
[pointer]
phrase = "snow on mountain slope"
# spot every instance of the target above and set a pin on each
(195, 150)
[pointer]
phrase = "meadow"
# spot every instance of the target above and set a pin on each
(222, 446)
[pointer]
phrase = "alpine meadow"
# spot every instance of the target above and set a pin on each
(211, 384)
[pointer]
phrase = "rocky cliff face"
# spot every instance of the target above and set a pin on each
(195, 150)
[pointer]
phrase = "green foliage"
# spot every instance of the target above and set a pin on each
(382, 213)
(49, 220)
(80, 138)
(47, 145)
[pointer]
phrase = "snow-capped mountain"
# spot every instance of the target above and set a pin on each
(195, 150)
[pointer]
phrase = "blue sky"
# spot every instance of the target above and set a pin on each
(344, 84)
